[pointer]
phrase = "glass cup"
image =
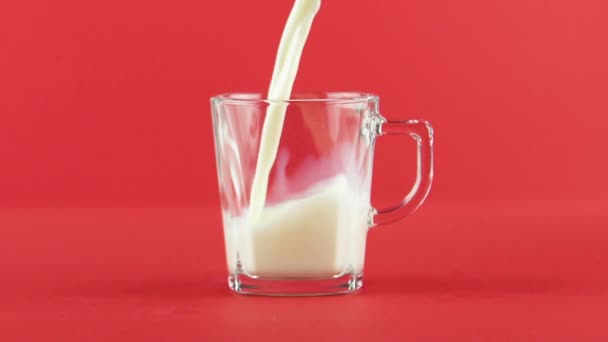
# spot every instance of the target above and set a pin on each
(309, 239)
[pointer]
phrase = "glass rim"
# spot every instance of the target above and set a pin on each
(297, 97)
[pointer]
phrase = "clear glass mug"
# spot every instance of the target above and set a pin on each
(310, 237)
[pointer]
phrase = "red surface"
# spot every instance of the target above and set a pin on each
(109, 221)
(509, 272)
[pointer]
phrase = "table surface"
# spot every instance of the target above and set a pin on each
(512, 271)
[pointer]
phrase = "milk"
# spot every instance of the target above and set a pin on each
(319, 232)
(285, 69)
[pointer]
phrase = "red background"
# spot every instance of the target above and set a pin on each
(109, 220)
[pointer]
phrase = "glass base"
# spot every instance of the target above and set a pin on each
(345, 283)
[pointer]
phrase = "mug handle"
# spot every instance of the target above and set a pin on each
(422, 132)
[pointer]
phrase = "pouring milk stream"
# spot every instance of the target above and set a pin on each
(285, 70)
(315, 234)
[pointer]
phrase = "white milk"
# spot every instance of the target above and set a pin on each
(319, 232)
(285, 69)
